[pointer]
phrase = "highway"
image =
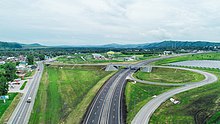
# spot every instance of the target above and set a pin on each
(23, 110)
(143, 116)
(108, 105)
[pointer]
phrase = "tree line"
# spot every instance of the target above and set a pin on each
(7, 73)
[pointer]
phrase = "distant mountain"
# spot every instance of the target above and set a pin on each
(9, 45)
(180, 45)
(14, 45)
(34, 45)
(157, 45)
(114, 45)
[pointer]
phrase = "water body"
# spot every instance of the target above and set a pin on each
(199, 63)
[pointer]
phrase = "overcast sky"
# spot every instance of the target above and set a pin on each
(80, 22)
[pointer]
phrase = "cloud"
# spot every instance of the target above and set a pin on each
(105, 21)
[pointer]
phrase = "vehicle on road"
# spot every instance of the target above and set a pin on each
(29, 100)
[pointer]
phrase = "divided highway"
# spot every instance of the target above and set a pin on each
(108, 105)
(23, 110)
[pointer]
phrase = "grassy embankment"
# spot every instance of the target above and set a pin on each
(200, 105)
(6, 109)
(198, 100)
(137, 95)
(64, 94)
(204, 56)
(169, 75)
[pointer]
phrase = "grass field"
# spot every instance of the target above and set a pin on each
(169, 75)
(137, 95)
(9, 107)
(204, 56)
(200, 105)
(4, 106)
(64, 94)
(88, 59)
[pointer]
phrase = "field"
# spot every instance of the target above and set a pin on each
(8, 108)
(65, 93)
(205, 56)
(137, 95)
(200, 105)
(88, 58)
(169, 75)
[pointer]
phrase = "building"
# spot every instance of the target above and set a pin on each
(168, 52)
(98, 56)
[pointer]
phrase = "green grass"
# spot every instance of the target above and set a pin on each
(63, 91)
(169, 75)
(8, 112)
(137, 95)
(204, 56)
(29, 73)
(4, 106)
(117, 58)
(23, 85)
(200, 105)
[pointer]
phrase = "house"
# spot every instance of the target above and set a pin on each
(133, 58)
(98, 56)
(2, 62)
(168, 52)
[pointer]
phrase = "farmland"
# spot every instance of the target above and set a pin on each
(204, 56)
(200, 105)
(169, 75)
(137, 95)
(88, 58)
(65, 93)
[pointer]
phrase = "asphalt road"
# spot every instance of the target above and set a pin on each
(108, 105)
(143, 116)
(23, 110)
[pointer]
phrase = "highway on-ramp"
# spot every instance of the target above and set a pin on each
(143, 116)
(23, 110)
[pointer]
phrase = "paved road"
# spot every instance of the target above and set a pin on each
(23, 110)
(143, 116)
(108, 105)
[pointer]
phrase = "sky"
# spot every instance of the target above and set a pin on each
(95, 22)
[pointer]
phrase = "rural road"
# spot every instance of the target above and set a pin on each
(23, 110)
(108, 105)
(143, 116)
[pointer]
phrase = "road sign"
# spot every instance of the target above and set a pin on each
(4, 97)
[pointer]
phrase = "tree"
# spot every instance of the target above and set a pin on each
(10, 70)
(41, 57)
(3, 85)
(30, 59)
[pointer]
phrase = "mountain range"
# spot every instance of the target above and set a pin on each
(156, 45)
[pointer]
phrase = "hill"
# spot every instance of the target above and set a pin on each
(34, 45)
(180, 45)
(9, 45)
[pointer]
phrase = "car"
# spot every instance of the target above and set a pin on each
(29, 100)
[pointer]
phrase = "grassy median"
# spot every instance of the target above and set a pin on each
(65, 93)
(169, 75)
(200, 105)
